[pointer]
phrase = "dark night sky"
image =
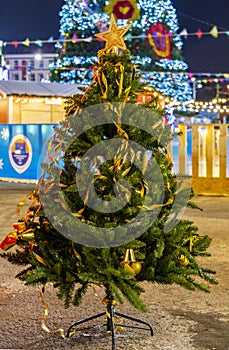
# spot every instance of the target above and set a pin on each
(193, 14)
(29, 19)
(40, 19)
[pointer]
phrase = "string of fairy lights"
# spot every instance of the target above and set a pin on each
(217, 105)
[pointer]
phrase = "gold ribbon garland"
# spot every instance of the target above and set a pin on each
(61, 331)
(44, 316)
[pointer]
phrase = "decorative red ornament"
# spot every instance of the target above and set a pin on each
(9, 241)
(19, 226)
(160, 39)
(199, 33)
(123, 9)
(14, 43)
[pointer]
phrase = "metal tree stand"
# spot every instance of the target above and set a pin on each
(110, 313)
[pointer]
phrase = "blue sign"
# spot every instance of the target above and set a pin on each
(20, 149)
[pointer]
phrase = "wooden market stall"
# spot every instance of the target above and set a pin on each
(24, 102)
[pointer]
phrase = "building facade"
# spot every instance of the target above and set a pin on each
(29, 63)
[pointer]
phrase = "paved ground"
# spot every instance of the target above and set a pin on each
(182, 320)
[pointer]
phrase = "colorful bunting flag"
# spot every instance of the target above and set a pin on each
(214, 32)
(184, 33)
(74, 38)
(154, 38)
(14, 43)
(88, 39)
(38, 43)
(26, 42)
(199, 33)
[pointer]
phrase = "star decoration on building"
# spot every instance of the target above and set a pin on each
(114, 35)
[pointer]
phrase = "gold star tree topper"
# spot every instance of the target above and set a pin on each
(114, 36)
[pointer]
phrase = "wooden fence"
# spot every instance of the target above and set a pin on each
(203, 153)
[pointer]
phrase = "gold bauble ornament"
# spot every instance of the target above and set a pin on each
(183, 260)
(136, 266)
(129, 262)
(129, 268)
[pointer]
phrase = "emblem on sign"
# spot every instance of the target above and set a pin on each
(20, 153)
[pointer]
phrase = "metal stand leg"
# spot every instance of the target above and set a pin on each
(110, 313)
(110, 323)
(138, 321)
(85, 320)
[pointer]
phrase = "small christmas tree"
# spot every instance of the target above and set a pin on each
(101, 213)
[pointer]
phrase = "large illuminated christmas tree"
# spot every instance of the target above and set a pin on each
(153, 39)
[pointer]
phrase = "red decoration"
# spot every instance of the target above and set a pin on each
(14, 43)
(19, 226)
(123, 9)
(9, 241)
(160, 39)
(199, 33)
